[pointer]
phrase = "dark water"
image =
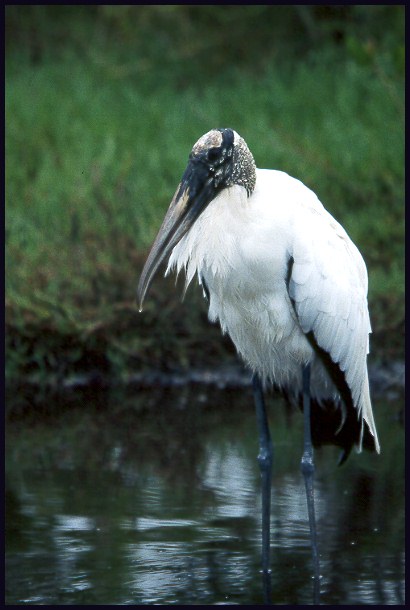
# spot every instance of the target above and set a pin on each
(154, 499)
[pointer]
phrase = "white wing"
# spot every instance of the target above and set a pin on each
(328, 286)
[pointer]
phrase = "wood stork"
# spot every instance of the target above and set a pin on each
(287, 284)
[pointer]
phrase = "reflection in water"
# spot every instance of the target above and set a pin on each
(160, 504)
(231, 478)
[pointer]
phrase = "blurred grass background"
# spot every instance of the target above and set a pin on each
(103, 105)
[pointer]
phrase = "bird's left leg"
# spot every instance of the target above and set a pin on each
(308, 469)
(265, 466)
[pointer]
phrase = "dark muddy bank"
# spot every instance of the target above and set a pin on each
(386, 381)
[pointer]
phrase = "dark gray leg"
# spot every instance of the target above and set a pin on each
(265, 465)
(308, 470)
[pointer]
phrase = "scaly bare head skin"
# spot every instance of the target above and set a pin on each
(211, 139)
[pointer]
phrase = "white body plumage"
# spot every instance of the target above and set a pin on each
(241, 247)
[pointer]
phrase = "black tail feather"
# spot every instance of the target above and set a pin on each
(327, 428)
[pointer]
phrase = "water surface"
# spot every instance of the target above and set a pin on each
(154, 498)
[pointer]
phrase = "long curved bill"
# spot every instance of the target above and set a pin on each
(194, 192)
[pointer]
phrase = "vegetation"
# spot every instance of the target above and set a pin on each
(103, 104)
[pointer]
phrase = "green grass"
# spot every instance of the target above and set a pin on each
(95, 146)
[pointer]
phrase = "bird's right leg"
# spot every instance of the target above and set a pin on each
(308, 470)
(265, 465)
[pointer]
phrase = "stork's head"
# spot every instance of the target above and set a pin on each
(220, 159)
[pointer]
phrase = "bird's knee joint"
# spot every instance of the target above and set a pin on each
(307, 465)
(265, 460)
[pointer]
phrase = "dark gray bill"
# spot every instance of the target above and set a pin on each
(193, 194)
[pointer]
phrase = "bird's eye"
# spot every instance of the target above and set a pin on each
(213, 154)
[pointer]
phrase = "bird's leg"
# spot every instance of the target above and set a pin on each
(308, 469)
(265, 466)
